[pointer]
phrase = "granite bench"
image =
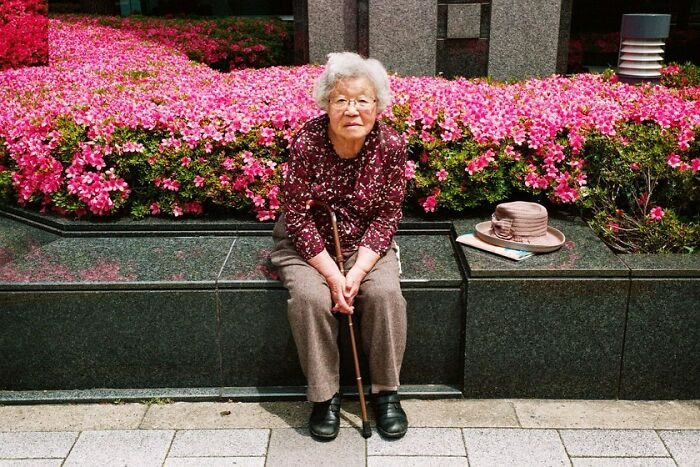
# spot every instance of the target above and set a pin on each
(192, 310)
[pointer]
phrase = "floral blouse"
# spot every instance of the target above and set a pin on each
(366, 192)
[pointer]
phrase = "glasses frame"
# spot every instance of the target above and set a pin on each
(333, 104)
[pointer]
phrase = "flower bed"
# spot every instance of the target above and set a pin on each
(23, 33)
(224, 44)
(129, 125)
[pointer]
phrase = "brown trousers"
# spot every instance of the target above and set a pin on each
(379, 304)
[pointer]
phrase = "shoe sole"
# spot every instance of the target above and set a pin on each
(318, 437)
(391, 435)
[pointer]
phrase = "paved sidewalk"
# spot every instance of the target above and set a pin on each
(442, 433)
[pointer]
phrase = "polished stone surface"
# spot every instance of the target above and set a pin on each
(464, 21)
(18, 240)
(583, 255)
(402, 48)
(549, 338)
(130, 339)
(426, 260)
(191, 260)
(662, 342)
(526, 43)
(326, 29)
(256, 344)
(462, 57)
(662, 265)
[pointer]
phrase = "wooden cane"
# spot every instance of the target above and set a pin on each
(366, 428)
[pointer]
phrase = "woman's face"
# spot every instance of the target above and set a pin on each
(352, 109)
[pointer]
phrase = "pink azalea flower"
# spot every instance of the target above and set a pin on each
(185, 161)
(695, 164)
(410, 171)
(673, 160)
(155, 209)
(430, 203)
(198, 181)
(656, 213)
(177, 210)
(441, 174)
(613, 226)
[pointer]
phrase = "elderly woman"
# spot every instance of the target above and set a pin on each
(355, 164)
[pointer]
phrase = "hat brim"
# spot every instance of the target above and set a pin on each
(552, 241)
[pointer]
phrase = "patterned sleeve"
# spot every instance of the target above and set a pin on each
(381, 230)
(296, 188)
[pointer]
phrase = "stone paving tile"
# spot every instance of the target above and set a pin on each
(31, 463)
(71, 417)
(232, 443)
(514, 447)
(295, 447)
(416, 461)
(608, 414)
(203, 415)
(419, 442)
(623, 462)
(138, 448)
(35, 445)
(214, 461)
(460, 413)
(684, 446)
(613, 443)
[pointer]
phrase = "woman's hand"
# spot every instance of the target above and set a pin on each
(337, 284)
(353, 279)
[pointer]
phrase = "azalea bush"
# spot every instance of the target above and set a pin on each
(127, 125)
(23, 33)
(676, 75)
(223, 43)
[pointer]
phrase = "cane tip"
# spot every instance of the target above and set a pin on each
(366, 430)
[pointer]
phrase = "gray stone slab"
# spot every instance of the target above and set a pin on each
(36, 445)
(209, 443)
(464, 21)
(613, 443)
(295, 447)
(462, 57)
(108, 339)
(138, 448)
(514, 447)
(405, 50)
(544, 338)
(623, 462)
(80, 417)
(326, 25)
(608, 414)
(416, 461)
(583, 255)
(419, 442)
(31, 463)
(18, 239)
(684, 446)
(524, 40)
(662, 341)
(117, 260)
(214, 461)
(662, 265)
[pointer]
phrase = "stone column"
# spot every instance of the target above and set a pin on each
(332, 27)
(528, 38)
(403, 34)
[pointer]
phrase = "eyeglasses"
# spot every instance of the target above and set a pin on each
(362, 103)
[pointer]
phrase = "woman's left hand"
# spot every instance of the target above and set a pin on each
(353, 279)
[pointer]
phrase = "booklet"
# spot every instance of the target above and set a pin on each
(472, 240)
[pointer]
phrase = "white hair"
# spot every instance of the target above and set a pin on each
(341, 65)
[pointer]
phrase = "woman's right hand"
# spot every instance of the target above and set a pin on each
(336, 283)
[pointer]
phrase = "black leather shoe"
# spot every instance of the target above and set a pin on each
(391, 419)
(325, 419)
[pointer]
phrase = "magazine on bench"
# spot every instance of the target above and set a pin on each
(471, 240)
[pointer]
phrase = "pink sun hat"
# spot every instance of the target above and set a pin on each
(521, 225)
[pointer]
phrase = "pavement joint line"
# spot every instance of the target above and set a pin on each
(464, 441)
(666, 447)
(267, 448)
(566, 451)
(515, 412)
(172, 440)
(75, 441)
(145, 412)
